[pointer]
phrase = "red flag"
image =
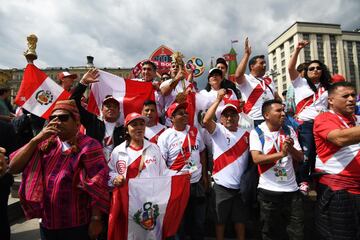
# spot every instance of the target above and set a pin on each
(38, 93)
(148, 208)
(130, 93)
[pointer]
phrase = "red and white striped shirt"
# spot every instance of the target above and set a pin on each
(153, 133)
(308, 103)
(178, 153)
(255, 91)
(341, 163)
(230, 154)
(278, 176)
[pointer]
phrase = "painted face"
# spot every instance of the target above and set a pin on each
(136, 129)
(230, 119)
(110, 111)
(343, 100)
(150, 112)
(148, 73)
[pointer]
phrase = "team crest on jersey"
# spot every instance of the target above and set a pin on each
(121, 167)
(44, 97)
(147, 215)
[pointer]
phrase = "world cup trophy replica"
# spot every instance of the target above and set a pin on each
(30, 53)
(177, 58)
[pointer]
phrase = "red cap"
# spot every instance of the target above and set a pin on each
(133, 116)
(175, 106)
(61, 75)
(337, 78)
(229, 105)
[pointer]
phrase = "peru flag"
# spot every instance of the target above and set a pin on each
(38, 93)
(130, 93)
(148, 208)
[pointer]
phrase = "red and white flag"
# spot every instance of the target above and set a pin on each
(130, 93)
(148, 208)
(38, 93)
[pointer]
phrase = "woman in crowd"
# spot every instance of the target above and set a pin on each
(136, 157)
(310, 99)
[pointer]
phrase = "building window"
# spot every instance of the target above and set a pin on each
(307, 53)
(320, 47)
(291, 41)
(275, 66)
(284, 86)
(282, 54)
(333, 54)
(351, 61)
(291, 48)
(283, 62)
(283, 71)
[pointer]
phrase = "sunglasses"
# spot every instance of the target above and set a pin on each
(313, 68)
(61, 117)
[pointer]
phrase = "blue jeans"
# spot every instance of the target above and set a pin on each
(307, 142)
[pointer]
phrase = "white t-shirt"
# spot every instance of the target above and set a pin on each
(122, 157)
(108, 143)
(178, 154)
(205, 99)
(169, 99)
(251, 83)
(230, 154)
(278, 176)
(153, 133)
(303, 91)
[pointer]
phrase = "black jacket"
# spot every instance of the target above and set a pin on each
(95, 127)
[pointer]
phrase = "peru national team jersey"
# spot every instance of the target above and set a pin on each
(204, 99)
(178, 154)
(153, 133)
(255, 91)
(278, 176)
(230, 155)
(341, 163)
(308, 103)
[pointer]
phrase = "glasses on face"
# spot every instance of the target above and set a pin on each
(165, 78)
(314, 68)
(61, 117)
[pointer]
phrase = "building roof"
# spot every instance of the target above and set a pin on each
(305, 23)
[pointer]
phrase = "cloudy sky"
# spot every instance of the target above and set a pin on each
(120, 33)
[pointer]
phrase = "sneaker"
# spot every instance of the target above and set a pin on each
(304, 188)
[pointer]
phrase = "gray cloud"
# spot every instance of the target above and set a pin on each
(121, 33)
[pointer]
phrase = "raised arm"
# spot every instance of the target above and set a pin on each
(208, 121)
(292, 64)
(241, 68)
(166, 89)
(90, 77)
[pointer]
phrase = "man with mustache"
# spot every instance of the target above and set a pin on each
(337, 137)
